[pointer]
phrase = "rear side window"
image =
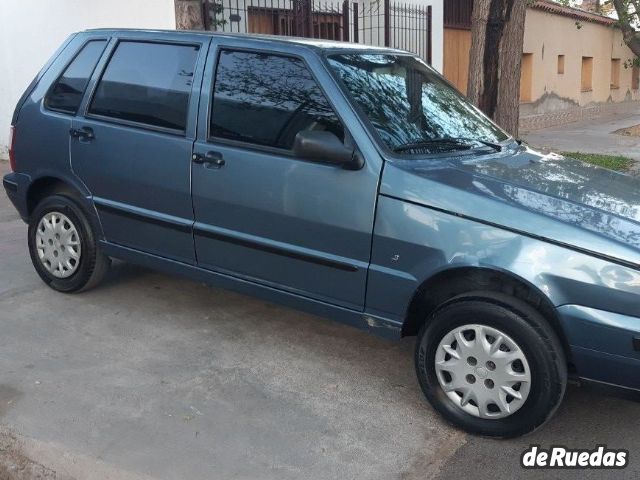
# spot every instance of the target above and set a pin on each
(267, 99)
(66, 94)
(147, 83)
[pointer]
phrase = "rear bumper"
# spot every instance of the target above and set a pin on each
(604, 345)
(16, 186)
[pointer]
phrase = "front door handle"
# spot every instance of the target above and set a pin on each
(210, 160)
(84, 133)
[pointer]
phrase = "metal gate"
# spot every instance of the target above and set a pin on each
(373, 22)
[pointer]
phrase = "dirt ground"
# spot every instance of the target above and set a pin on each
(633, 131)
(16, 466)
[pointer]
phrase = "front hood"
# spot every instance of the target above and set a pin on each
(548, 196)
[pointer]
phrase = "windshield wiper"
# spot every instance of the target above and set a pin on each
(461, 143)
(496, 146)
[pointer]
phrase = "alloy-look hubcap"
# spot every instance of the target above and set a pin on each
(58, 244)
(483, 371)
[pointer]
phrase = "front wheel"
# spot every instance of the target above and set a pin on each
(63, 247)
(491, 365)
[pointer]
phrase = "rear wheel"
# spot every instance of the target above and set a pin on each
(63, 246)
(491, 365)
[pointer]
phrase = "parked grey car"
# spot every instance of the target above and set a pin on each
(348, 181)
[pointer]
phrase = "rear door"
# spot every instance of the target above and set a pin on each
(132, 142)
(261, 213)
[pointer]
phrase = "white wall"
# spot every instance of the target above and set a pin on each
(375, 36)
(30, 31)
(437, 51)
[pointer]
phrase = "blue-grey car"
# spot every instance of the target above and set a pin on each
(348, 181)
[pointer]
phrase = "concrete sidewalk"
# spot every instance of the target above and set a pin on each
(591, 136)
(156, 377)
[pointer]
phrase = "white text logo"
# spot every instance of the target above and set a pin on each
(563, 457)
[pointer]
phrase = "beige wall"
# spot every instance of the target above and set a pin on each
(457, 44)
(547, 36)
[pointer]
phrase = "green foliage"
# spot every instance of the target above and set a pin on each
(612, 162)
(216, 14)
(567, 3)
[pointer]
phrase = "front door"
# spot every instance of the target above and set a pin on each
(261, 213)
(132, 146)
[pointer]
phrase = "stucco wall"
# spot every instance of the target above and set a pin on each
(30, 31)
(547, 36)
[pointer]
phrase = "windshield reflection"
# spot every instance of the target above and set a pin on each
(410, 106)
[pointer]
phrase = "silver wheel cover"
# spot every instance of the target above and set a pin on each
(483, 371)
(58, 245)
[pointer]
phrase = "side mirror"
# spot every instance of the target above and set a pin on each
(323, 146)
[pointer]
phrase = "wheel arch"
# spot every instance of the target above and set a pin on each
(47, 185)
(452, 282)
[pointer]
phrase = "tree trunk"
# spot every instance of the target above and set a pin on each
(495, 59)
(189, 15)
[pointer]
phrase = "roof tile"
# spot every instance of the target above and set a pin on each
(571, 12)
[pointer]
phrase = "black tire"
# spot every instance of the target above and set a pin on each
(528, 328)
(93, 264)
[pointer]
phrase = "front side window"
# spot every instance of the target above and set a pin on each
(147, 83)
(66, 94)
(413, 110)
(267, 99)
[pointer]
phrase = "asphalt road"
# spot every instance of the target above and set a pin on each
(156, 377)
(593, 135)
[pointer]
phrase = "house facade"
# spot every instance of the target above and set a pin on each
(575, 63)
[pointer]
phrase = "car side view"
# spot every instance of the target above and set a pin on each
(348, 181)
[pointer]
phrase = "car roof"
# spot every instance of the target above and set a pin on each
(317, 44)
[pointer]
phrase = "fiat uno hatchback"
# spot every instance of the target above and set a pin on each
(348, 181)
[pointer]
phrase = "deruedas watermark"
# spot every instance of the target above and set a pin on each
(563, 457)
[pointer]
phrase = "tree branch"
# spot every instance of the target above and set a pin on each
(626, 19)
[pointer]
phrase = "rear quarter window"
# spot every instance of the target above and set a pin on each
(147, 83)
(66, 93)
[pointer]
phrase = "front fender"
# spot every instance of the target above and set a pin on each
(413, 243)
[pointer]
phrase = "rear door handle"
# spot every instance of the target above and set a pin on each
(84, 133)
(211, 159)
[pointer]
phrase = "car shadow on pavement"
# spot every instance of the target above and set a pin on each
(598, 404)
(334, 384)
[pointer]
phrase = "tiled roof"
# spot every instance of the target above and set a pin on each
(576, 13)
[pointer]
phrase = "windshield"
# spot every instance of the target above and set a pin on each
(413, 110)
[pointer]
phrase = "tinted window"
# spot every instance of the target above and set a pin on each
(410, 106)
(267, 99)
(147, 83)
(66, 94)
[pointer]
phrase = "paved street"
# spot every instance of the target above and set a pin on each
(591, 136)
(156, 377)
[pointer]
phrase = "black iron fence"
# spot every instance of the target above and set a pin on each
(373, 22)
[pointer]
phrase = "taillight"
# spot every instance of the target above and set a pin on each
(12, 152)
